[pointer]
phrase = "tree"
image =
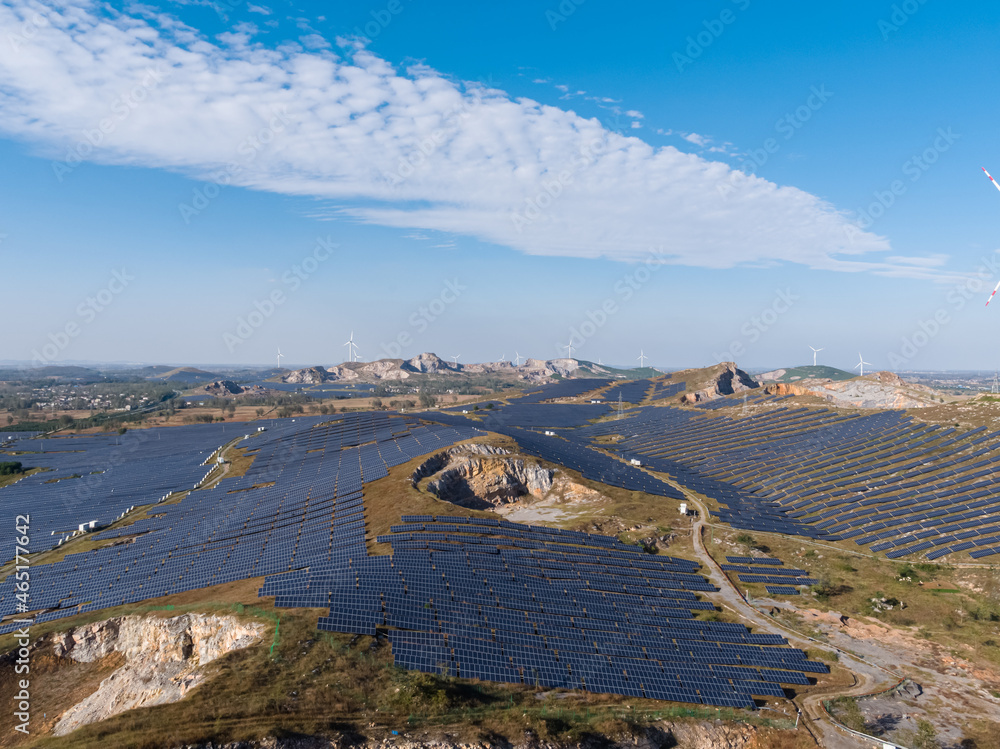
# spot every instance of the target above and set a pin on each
(10, 467)
(377, 403)
(427, 400)
(925, 737)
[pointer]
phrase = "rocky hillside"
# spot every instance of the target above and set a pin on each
(690, 734)
(532, 370)
(880, 390)
(228, 388)
(485, 477)
(482, 477)
(164, 659)
(714, 382)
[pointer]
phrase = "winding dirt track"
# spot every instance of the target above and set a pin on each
(868, 677)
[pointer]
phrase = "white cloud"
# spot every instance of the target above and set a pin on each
(350, 125)
(258, 9)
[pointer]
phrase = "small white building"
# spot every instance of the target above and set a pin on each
(635, 462)
(684, 508)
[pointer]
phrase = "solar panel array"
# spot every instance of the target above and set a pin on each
(738, 399)
(663, 389)
(97, 477)
(478, 598)
(884, 480)
(633, 391)
(490, 599)
(15, 436)
(300, 503)
(563, 389)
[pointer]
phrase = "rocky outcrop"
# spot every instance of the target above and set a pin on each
(428, 364)
(477, 482)
(693, 734)
(880, 390)
(225, 388)
(437, 462)
(532, 370)
(546, 368)
(164, 659)
(309, 376)
(480, 476)
(725, 379)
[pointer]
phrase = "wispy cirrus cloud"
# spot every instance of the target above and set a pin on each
(351, 120)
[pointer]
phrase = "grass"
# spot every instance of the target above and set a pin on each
(954, 606)
(13, 478)
(329, 684)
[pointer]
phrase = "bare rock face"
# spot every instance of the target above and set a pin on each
(700, 734)
(427, 363)
(728, 379)
(339, 373)
(482, 476)
(164, 659)
(495, 481)
(880, 390)
(310, 376)
(384, 369)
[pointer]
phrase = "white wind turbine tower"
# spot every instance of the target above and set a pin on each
(455, 360)
(642, 358)
(280, 356)
(861, 363)
(352, 348)
(517, 359)
(570, 347)
(815, 351)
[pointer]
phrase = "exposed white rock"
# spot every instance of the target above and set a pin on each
(164, 659)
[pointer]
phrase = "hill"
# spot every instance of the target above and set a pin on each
(530, 371)
(590, 369)
(59, 372)
(809, 372)
(878, 390)
(187, 375)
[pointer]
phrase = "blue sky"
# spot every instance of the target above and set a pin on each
(253, 150)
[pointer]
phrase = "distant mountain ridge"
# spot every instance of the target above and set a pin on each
(531, 370)
(188, 375)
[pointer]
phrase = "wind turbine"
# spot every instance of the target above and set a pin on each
(815, 351)
(455, 360)
(642, 358)
(861, 363)
(280, 355)
(352, 348)
(997, 186)
(570, 347)
(517, 359)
